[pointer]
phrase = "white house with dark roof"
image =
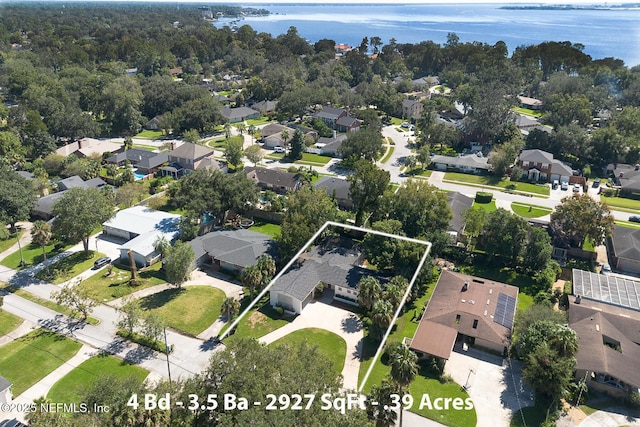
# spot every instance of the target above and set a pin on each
(469, 163)
(338, 188)
(144, 160)
(330, 146)
(625, 249)
(338, 268)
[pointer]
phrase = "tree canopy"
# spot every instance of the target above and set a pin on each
(578, 217)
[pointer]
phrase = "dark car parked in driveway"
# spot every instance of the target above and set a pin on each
(634, 218)
(101, 262)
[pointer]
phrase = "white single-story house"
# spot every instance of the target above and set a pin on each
(5, 390)
(141, 226)
(231, 250)
(470, 163)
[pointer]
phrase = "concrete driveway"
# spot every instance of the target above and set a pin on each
(494, 384)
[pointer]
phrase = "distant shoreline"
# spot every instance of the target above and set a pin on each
(629, 6)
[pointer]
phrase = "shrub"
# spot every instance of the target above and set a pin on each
(292, 169)
(483, 197)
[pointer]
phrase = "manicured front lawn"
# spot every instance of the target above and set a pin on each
(527, 112)
(8, 322)
(190, 309)
(259, 121)
(332, 347)
(32, 254)
(69, 267)
(492, 181)
(72, 386)
(150, 134)
(259, 322)
(313, 159)
(529, 211)
(51, 305)
(621, 203)
(102, 288)
(628, 224)
(272, 230)
(488, 207)
(12, 240)
(32, 357)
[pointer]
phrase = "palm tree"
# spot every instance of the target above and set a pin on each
(161, 245)
(395, 291)
(251, 277)
(382, 396)
(267, 267)
(227, 130)
(285, 137)
(564, 340)
(404, 368)
(381, 315)
(369, 291)
(252, 131)
(41, 234)
(241, 128)
(230, 307)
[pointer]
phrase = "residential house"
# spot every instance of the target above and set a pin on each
(338, 119)
(43, 207)
(331, 146)
(458, 203)
(338, 269)
(342, 49)
(265, 107)
(145, 161)
(239, 114)
(526, 123)
(231, 250)
(5, 390)
(154, 123)
(468, 163)
(189, 157)
(89, 146)
(26, 174)
(348, 124)
(627, 177)
(412, 109)
(141, 226)
(624, 247)
(275, 180)
(538, 165)
(427, 81)
(608, 353)
(272, 135)
(337, 188)
(467, 309)
(530, 103)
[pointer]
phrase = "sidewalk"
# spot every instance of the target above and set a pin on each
(22, 330)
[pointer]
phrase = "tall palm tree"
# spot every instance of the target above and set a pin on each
(369, 291)
(251, 277)
(41, 234)
(267, 267)
(395, 291)
(227, 130)
(230, 307)
(242, 126)
(252, 129)
(285, 137)
(381, 394)
(404, 368)
(161, 245)
(381, 315)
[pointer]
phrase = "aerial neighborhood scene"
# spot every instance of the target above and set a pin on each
(205, 224)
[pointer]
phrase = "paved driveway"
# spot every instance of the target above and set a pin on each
(494, 384)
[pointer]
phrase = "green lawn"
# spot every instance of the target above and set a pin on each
(216, 143)
(527, 112)
(588, 244)
(8, 322)
(259, 121)
(72, 386)
(190, 309)
(272, 230)
(32, 357)
(12, 240)
(150, 134)
(628, 224)
(274, 156)
(529, 211)
(102, 288)
(32, 254)
(622, 204)
(488, 207)
(51, 305)
(259, 322)
(313, 159)
(144, 147)
(69, 267)
(387, 156)
(332, 347)
(492, 181)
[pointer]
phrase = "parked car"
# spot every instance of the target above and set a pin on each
(606, 269)
(596, 183)
(101, 262)
(405, 125)
(279, 150)
(564, 186)
(555, 184)
(576, 188)
(634, 218)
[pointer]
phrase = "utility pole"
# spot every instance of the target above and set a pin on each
(166, 351)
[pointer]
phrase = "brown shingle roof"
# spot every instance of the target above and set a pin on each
(434, 338)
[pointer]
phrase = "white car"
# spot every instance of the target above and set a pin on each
(278, 150)
(564, 186)
(606, 269)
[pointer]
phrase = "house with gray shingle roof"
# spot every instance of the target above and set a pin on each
(338, 188)
(144, 160)
(239, 114)
(189, 157)
(275, 180)
(539, 165)
(458, 203)
(338, 268)
(625, 249)
(470, 163)
(5, 390)
(231, 250)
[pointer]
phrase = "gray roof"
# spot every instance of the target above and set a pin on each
(608, 288)
(332, 144)
(238, 113)
(265, 105)
(347, 121)
(408, 103)
(557, 167)
(273, 177)
(335, 267)
(626, 242)
(333, 185)
(26, 174)
(330, 112)
(274, 128)
(191, 151)
(523, 121)
(45, 204)
(4, 383)
(471, 160)
(628, 176)
(143, 158)
(238, 247)
(458, 202)
(76, 182)
(536, 156)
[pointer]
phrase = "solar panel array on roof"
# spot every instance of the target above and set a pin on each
(609, 288)
(505, 310)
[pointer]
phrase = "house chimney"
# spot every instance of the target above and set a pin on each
(578, 299)
(465, 286)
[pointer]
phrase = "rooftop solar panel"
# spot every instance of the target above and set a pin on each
(505, 310)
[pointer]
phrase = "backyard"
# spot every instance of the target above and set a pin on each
(190, 309)
(268, 228)
(72, 386)
(32, 357)
(105, 288)
(492, 181)
(330, 346)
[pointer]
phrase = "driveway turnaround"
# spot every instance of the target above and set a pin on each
(494, 384)
(320, 314)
